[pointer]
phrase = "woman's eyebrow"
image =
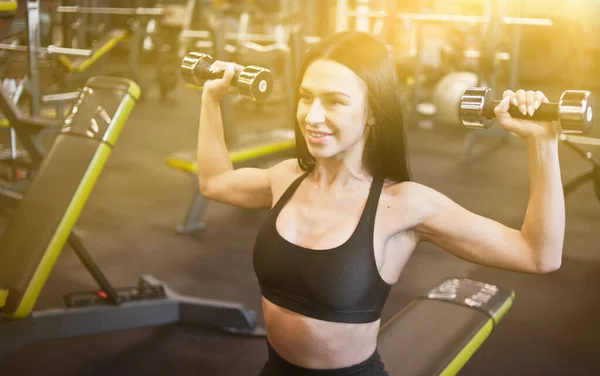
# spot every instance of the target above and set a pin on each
(327, 93)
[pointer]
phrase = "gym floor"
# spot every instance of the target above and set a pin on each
(128, 227)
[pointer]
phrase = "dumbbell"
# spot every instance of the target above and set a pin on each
(574, 112)
(254, 83)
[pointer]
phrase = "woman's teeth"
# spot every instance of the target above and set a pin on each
(317, 135)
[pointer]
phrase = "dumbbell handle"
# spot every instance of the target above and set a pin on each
(207, 75)
(546, 111)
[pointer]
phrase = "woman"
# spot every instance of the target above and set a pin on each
(345, 218)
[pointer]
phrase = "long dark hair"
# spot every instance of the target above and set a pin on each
(385, 150)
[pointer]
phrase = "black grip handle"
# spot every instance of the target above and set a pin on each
(218, 75)
(204, 73)
(546, 111)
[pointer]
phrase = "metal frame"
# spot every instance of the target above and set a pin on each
(112, 311)
(111, 11)
(363, 16)
(29, 130)
(415, 50)
(172, 308)
(50, 50)
(138, 31)
(417, 40)
(578, 181)
(33, 30)
(25, 126)
(34, 50)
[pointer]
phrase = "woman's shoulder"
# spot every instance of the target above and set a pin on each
(415, 200)
(405, 189)
(283, 174)
(286, 169)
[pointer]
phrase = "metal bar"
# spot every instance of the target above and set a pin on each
(368, 13)
(13, 143)
(515, 57)
(581, 140)
(341, 15)
(112, 11)
(93, 269)
(227, 112)
(472, 19)
(265, 49)
(51, 50)
(195, 34)
(59, 98)
(190, 9)
(235, 37)
(54, 50)
(12, 47)
(13, 134)
(311, 39)
(136, 45)
(33, 28)
(527, 21)
(474, 54)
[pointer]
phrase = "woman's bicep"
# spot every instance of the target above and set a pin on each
(473, 237)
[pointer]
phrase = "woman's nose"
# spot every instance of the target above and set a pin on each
(316, 114)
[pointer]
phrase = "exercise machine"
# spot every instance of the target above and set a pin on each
(28, 129)
(138, 27)
(35, 237)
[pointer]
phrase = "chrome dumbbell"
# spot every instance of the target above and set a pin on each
(574, 112)
(254, 83)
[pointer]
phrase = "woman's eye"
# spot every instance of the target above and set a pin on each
(332, 102)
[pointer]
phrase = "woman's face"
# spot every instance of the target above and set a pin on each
(333, 109)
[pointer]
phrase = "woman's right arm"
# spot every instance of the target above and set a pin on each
(244, 187)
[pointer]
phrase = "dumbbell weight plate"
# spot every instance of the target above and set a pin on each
(188, 66)
(255, 82)
(576, 109)
(471, 107)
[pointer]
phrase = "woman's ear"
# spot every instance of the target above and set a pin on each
(371, 119)
(370, 115)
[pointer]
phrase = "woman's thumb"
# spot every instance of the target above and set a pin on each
(228, 73)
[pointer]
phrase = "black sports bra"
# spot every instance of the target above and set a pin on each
(340, 284)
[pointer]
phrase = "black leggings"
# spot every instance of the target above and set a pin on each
(277, 366)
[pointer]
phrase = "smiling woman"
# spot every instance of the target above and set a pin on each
(345, 218)
(329, 88)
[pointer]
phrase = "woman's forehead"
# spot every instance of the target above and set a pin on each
(331, 76)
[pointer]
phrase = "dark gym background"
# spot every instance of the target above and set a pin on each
(128, 226)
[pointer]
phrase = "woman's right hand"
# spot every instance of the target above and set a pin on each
(218, 89)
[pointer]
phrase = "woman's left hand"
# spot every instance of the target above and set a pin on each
(527, 102)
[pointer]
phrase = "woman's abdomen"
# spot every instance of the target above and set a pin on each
(317, 344)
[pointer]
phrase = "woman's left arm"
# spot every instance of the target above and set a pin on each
(544, 224)
(537, 247)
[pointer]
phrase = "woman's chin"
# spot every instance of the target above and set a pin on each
(319, 152)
